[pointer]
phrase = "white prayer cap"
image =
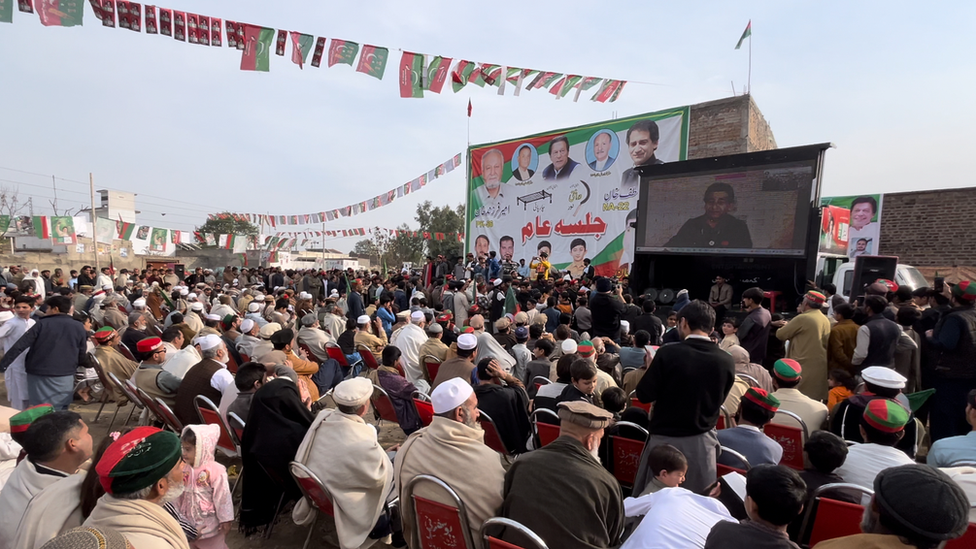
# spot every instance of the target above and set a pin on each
(247, 325)
(450, 394)
(363, 319)
(253, 307)
(496, 282)
(416, 316)
(258, 297)
(191, 296)
(334, 293)
(353, 392)
(139, 303)
(235, 281)
(269, 330)
(184, 291)
(305, 295)
(6, 315)
(883, 377)
(196, 306)
(212, 316)
(467, 342)
(106, 286)
(569, 346)
(625, 326)
(208, 342)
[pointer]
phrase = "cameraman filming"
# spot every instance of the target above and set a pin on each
(607, 309)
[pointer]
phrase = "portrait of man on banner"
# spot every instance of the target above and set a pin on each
(63, 230)
(158, 241)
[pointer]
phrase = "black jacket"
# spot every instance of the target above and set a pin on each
(57, 346)
(607, 311)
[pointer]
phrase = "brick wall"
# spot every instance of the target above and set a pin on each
(728, 126)
(931, 229)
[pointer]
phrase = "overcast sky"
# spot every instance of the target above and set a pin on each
(890, 84)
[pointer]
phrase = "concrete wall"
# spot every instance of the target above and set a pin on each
(728, 126)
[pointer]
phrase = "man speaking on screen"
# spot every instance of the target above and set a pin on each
(717, 228)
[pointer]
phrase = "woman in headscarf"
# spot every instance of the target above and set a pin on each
(275, 426)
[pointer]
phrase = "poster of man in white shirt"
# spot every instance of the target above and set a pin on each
(865, 225)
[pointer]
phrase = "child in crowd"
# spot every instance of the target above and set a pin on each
(729, 328)
(206, 499)
(583, 375)
(614, 401)
(775, 495)
(842, 386)
(669, 466)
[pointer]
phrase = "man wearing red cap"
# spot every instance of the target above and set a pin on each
(953, 341)
(150, 376)
(756, 409)
(882, 426)
(111, 360)
(786, 376)
(808, 334)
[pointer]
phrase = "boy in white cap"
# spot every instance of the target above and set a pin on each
(343, 451)
(463, 366)
(452, 448)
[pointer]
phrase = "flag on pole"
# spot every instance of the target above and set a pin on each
(411, 75)
(257, 48)
(301, 44)
(469, 108)
(373, 61)
(42, 227)
(745, 34)
(126, 230)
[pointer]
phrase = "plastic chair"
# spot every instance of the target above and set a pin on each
(232, 364)
(335, 353)
(508, 526)
(281, 500)
(967, 541)
(236, 424)
(431, 365)
(168, 417)
(424, 408)
(832, 518)
(148, 402)
(129, 395)
(790, 438)
(723, 470)
(634, 401)
(492, 438)
(626, 454)
(544, 432)
(308, 352)
(210, 415)
(383, 406)
(314, 491)
(438, 525)
(106, 388)
(368, 357)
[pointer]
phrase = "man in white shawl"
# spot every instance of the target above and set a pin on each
(489, 346)
(56, 445)
(409, 339)
(342, 450)
(141, 472)
(452, 448)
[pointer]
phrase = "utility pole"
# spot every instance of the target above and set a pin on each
(91, 190)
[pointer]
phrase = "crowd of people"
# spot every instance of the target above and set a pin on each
(296, 358)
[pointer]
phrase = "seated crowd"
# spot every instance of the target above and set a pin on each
(553, 415)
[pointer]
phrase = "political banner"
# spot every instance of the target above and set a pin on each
(63, 230)
(851, 225)
(105, 230)
(157, 242)
(571, 192)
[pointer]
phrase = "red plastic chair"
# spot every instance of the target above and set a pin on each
(368, 357)
(511, 530)
(236, 424)
(544, 432)
(308, 353)
(722, 470)
(626, 454)
(383, 406)
(245, 357)
(634, 401)
(126, 352)
(128, 389)
(724, 419)
(492, 439)
(232, 364)
(314, 491)
(424, 408)
(335, 353)
(967, 541)
(438, 525)
(827, 518)
(210, 415)
(168, 417)
(790, 438)
(432, 365)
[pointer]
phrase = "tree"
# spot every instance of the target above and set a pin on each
(404, 248)
(444, 219)
(228, 225)
(366, 248)
(10, 203)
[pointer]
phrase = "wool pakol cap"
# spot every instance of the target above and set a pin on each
(815, 297)
(19, 422)
(787, 369)
(924, 500)
(759, 396)
(353, 392)
(268, 330)
(584, 414)
(104, 334)
(965, 291)
(435, 328)
(149, 344)
(886, 415)
(138, 459)
(585, 348)
(502, 323)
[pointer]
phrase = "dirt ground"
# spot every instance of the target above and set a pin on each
(286, 534)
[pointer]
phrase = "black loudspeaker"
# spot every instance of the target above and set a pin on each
(868, 269)
(179, 270)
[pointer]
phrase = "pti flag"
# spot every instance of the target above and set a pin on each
(60, 13)
(437, 73)
(411, 74)
(215, 32)
(585, 85)
(745, 34)
(125, 230)
(152, 27)
(342, 51)
(203, 30)
(610, 90)
(108, 13)
(42, 226)
(26, 6)
(179, 26)
(193, 28)
(461, 75)
(319, 49)
(165, 22)
(282, 41)
(301, 44)
(257, 48)
(373, 61)
(7, 12)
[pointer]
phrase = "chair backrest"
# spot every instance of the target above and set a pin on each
(383, 405)
(126, 352)
(541, 380)
(724, 419)
(125, 390)
(545, 432)
(438, 525)
(245, 357)
(168, 417)
(106, 382)
(722, 470)
(308, 352)
(753, 382)
(368, 357)
(335, 353)
(236, 425)
(432, 365)
(147, 401)
(634, 401)
(827, 518)
(232, 364)
(790, 438)
(741, 458)
(313, 489)
(967, 541)
(492, 438)
(626, 454)
(527, 538)
(210, 414)
(425, 410)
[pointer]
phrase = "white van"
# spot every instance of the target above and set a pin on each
(905, 276)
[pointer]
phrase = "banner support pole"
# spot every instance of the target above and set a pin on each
(91, 190)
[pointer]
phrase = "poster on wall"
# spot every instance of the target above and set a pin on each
(571, 192)
(851, 225)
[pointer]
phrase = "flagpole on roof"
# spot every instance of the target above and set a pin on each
(91, 190)
(749, 77)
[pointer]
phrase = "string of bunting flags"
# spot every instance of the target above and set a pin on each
(417, 73)
(317, 218)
